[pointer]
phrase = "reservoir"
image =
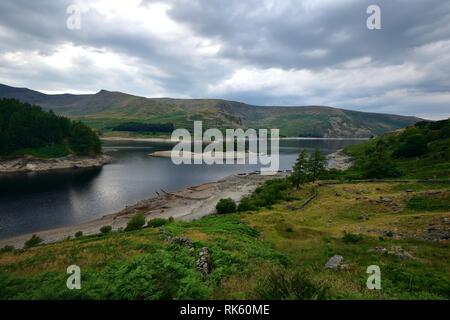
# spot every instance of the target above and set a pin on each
(31, 202)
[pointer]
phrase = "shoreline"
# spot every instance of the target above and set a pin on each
(34, 164)
(186, 204)
(168, 140)
(339, 160)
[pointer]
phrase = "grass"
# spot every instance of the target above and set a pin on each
(435, 202)
(274, 253)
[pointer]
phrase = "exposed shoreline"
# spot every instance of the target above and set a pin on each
(33, 164)
(187, 204)
(339, 160)
(168, 140)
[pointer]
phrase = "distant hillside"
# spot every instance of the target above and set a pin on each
(106, 109)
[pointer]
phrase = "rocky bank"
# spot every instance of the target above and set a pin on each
(33, 164)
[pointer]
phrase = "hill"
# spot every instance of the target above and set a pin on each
(106, 110)
(420, 151)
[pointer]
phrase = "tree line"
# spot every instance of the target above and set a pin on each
(144, 127)
(25, 126)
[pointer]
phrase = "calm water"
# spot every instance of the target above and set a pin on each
(37, 201)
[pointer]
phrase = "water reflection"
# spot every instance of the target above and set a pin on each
(38, 201)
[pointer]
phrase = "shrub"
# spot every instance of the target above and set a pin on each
(245, 205)
(136, 222)
(157, 222)
(351, 238)
(78, 234)
(226, 206)
(282, 284)
(377, 164)
(33, 241)
(105, 229)
(7, 249)
(414, 145)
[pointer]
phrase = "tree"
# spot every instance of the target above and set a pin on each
(377, 164)
(316, 165)
(226, 206)
(299, 173)
(414, 145)
(25, 126)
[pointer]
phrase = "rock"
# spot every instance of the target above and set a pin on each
(363, 217)
(409, 190)
(334, 263)
(204, 261)
(385, 199)
(381, 250)
(183, 241)
(400, 253)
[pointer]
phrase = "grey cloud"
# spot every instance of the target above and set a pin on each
(252, 34)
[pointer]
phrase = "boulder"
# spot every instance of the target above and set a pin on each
(335, 262)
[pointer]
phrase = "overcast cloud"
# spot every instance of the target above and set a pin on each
(260, 52)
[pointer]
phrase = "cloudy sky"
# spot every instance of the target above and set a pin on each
(270, 52)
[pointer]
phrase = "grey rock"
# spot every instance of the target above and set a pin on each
(204, 261)
(335, 262)
(183, 241)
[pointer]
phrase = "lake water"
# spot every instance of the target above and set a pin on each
(37, 201)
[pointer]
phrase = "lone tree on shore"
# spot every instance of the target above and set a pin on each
(316, 165)
(299, 174)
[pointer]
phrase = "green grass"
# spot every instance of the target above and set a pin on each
(440, 202)
(276, 253)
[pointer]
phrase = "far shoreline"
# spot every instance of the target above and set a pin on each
(168, 140)
(34, 164)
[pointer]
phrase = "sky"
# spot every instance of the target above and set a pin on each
(263, 52)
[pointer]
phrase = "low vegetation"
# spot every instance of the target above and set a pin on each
(105, 229)
(33, 241)
(421, 151)
(226, 206)
(275, 252)
(136, 222)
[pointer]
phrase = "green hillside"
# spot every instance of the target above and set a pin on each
(106, 109)
(421, 151)
(28, 130)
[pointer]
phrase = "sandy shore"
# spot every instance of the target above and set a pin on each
(187, 204)
(32, 164)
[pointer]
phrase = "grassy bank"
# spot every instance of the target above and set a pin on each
(273, 252)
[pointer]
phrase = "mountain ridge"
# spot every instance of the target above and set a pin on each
(106, 109)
